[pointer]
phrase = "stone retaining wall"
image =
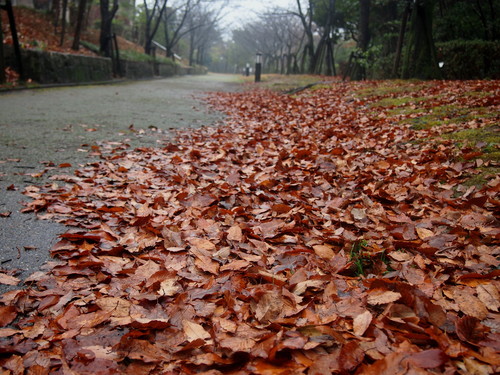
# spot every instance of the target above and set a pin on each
(53, 67)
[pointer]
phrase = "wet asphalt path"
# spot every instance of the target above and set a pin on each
(48, 127)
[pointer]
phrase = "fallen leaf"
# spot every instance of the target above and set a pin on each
(324, 251)
(362, 322)
(235, 234)
(424, 233)
(381, 297)
(8, 280)
(194, 331)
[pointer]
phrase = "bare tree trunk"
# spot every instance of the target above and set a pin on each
(401, 36)
(79, 24)
(421, 59)
(309, 47)
(359, 69)
(107, 15)
(2, 59)
(191, 48)
(330, 59)
(63, 21)
(494, 25)
(56, 7)
(152, 23)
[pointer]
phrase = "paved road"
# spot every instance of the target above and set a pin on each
(60, 125)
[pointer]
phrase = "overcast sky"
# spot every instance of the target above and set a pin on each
(239, 11)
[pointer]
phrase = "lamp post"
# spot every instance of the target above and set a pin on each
(258, 66)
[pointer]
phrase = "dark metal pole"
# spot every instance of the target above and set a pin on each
(258, 67)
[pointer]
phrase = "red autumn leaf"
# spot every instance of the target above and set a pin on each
(431, 358)
(7, 315)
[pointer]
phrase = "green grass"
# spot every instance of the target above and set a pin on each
(441, 115)
(481, 179)
(485, 141)
(357, 257)
(398, 102)
(489, 135)
(392, 88)
(282, 83)
(401, 101)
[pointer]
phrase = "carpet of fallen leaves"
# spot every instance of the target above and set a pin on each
(309, 234)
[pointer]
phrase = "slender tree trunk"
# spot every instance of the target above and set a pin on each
(56, 6)
(364, 36)
(148, 41)
(191, 49)
(87, 15)
(152, 24)
(2, 59)
(318, 55)
(401, 36)
(359, 68)
(330, 59)
(289, 58)
(79, 24)
(421, 59)
(494, 25)
(63, 21)
(328, 53)
(309, 47)
(107, 15)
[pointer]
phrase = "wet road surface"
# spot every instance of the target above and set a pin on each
(42, 129)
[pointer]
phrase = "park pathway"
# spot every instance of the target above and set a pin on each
(43, 131)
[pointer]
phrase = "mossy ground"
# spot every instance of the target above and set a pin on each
(415, 103)
(403, 101)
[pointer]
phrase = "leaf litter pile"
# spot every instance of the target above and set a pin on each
(326, 232)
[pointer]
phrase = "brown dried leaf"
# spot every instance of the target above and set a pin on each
(324, 251)
(8, 280)
(235, 234)
(362, 322)
(194, 331)
(381, 296)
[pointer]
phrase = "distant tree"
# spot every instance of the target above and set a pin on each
(401, 37)
(325, 17)
(174, 24)
(364, 35)
(466, 19)
(202, 32)
(154, 14)
(306, 18)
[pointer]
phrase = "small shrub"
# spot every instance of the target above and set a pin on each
(469, 59)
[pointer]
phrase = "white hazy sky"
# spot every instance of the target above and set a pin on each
(239, 11)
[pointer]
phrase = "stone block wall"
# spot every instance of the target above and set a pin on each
(52, 67)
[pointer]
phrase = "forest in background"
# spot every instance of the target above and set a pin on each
(360, 39)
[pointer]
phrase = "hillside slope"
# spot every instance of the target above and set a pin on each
(36, 30)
